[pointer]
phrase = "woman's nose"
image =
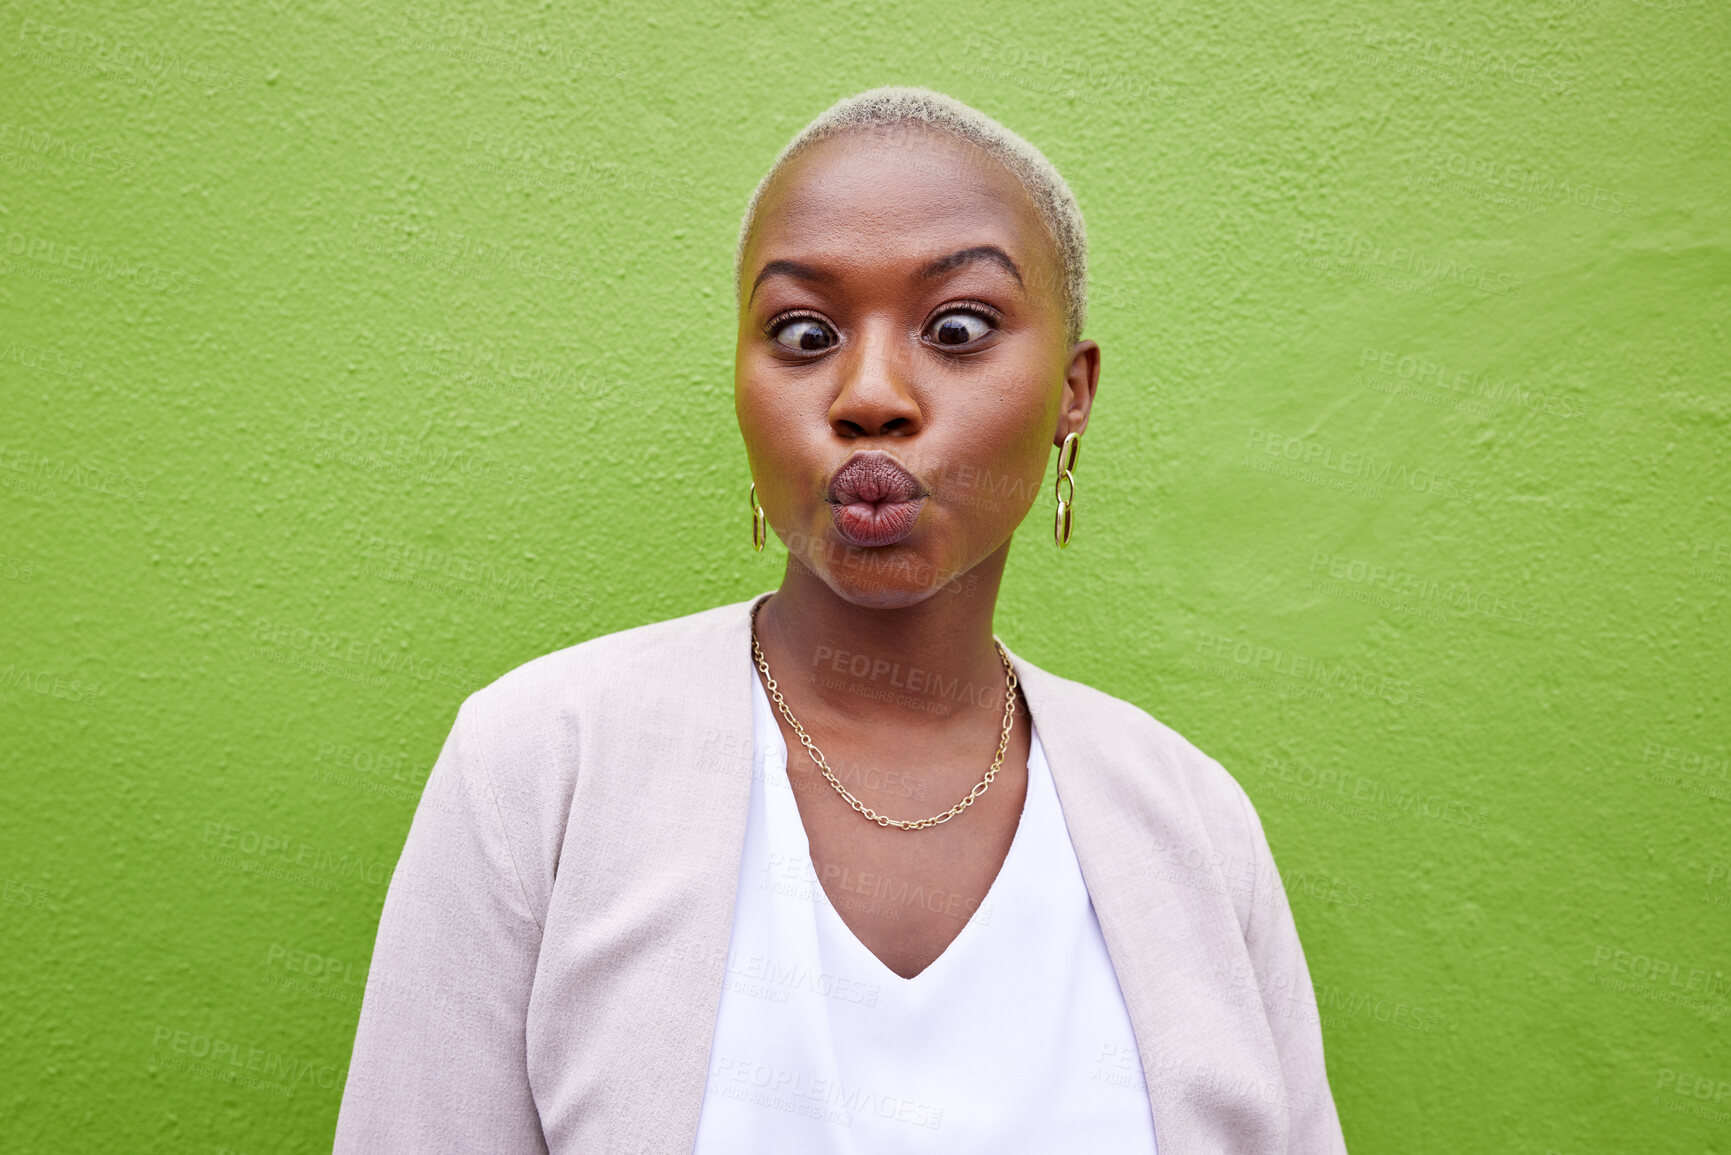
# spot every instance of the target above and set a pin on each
(876, 397)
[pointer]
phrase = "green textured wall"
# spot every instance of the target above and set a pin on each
(353, 354)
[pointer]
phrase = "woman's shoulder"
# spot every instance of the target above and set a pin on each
(626, 661)
(649, 645)
(611, 686)
(598, 711)
(1132, 749)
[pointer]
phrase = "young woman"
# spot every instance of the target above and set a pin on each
(831, 871)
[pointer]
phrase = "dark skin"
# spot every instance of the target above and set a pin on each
(900, 294)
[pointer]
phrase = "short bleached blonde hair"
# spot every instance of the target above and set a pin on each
(895, 108)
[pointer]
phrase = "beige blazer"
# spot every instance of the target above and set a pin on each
(552, 948)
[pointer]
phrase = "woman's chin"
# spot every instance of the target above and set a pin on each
(884, 579)
(883, 597)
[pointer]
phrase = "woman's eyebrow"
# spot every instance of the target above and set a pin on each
(789, 269)
(937, 268)
(962, 257)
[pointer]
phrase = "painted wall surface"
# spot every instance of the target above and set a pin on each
(352, 354)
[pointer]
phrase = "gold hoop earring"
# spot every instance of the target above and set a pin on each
(759, 527)
(1066, 502)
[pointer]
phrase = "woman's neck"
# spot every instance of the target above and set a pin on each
(929, 664)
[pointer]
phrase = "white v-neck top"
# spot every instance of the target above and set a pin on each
(1014, 1041)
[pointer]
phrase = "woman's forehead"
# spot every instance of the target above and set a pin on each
(906, 190)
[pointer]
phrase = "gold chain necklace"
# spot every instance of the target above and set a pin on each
(883, 820)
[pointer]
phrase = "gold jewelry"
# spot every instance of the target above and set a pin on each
(759, 529)
(817, 756)
(1066, 463)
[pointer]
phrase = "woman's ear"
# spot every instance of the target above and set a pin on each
(1081, 381)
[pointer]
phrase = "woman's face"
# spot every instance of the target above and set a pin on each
(902, 369)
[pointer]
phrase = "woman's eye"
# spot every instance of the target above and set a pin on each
(807, 334)
(958, 328)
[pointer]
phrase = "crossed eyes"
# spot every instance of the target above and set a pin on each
(953, 328)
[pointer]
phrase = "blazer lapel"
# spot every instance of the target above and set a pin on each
(635, 952)
(714, 812)
(1126, 807)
